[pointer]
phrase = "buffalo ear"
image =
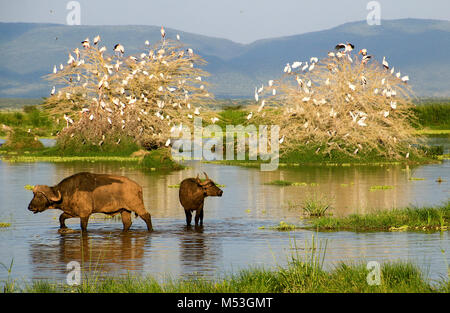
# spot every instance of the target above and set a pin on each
(55, 198)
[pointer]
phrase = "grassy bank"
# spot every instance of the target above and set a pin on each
(297, 277)
(159, 159)
(407, 219)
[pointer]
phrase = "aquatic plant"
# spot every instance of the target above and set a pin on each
(407, 219)
(380, 187)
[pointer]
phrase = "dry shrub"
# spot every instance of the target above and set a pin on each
(342, 106)
(106, 96)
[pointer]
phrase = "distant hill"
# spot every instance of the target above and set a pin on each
(418, 48)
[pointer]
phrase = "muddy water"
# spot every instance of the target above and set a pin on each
(231, 237)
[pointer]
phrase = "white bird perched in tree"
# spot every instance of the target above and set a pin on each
(299, 81)
(197, 111)
(68, 120)
(147, 43)
(261, 106)
(77, 53)
(86, 43)
(363, 52)
(405, 79)
(61, 67)
(331, 54)
(362, 122)
(190, 51)
(398, 75)
(346, 46)
(261, 89)
(296, 64)
(366, 59)
(274, 92)
(96, 39)
(214, 120)
(287, 68)
(178, 37)
(270, 83)
(163, 33)
(351, 86)
(109, 121)
(313, 60)
(256, 94)
(119, 48)
(102, 49)
(393, 105)
(249, 116)
(55, 70)
(386, 113)
(385, 63)
(393, 70)
(71, 59)
(311, 67)
(91, 117)
(305, 66)
(354, 116)
(53, 91)
(167, 142)
(281, 140)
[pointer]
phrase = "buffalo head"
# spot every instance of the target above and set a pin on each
(44, 198)
(209, 187)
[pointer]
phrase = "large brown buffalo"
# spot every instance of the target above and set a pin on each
(84, 193)
(192, 195)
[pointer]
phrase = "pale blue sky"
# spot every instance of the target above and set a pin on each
(239, 20)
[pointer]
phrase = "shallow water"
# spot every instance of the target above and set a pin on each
(231, 238)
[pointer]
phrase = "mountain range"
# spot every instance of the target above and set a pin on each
(416, 47)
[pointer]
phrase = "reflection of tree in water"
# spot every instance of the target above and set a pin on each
(199, 253)
(97, 252)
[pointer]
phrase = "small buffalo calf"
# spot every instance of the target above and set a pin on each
(192, 194)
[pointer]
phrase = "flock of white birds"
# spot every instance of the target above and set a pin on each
(342, 53)
(75, 60)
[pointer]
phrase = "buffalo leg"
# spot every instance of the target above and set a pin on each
(84, 223)
(62, 219)
(188, 217)
(146, 217)
(201, 217)
(126, 220)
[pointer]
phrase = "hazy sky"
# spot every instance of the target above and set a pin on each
(239, 20)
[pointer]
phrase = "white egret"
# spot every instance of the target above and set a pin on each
(86, 43)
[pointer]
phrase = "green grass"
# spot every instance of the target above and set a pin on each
(159, 159)
(381, 187)
(288, 183)
(297, 277)
(283, 226)
(433, 115)
(30, 117)
(411, 219)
